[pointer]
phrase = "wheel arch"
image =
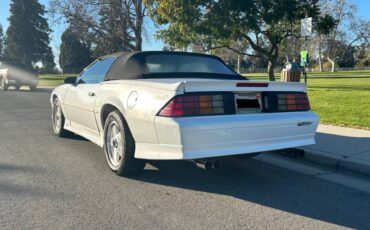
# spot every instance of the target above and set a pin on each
(106, 109)
(57, 95)
(54, 96)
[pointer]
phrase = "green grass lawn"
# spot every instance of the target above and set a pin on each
(341, 98)
(52, 80)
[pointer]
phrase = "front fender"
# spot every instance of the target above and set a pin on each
(60, 93)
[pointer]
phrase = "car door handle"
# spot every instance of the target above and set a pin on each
(91, 94)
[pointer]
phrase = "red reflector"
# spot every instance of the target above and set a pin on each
(252, 84)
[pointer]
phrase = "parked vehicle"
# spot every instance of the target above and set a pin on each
(177, 106)
(17, 75)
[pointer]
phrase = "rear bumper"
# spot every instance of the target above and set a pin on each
(201, 137)
(21, 82)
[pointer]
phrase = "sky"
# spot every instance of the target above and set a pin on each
(149, 43)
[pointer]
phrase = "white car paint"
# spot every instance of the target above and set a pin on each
(157, 137)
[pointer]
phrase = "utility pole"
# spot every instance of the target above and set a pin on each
(306, 30)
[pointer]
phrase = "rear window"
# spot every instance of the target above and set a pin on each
(14, 66)
(185, 64)
(11, 64)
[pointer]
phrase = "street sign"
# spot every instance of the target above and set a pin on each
(304, 58)
(306, 27)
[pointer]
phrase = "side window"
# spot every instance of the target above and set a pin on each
(96, 73)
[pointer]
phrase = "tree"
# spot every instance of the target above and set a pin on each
(28, 32)
(117, 25)
(1, 40)
(48, 63)
(348, 32)
(362, 56)
(357, 35)
(341, 11)
(263, 24)
(74, 55)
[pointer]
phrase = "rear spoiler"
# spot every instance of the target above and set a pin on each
(240, 86)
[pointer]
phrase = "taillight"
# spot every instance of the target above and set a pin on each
(199, 104)
(285, 102)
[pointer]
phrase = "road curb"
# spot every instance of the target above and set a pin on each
(356, 165)
(338, 162)
(323, 158)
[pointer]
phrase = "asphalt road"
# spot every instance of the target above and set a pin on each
(51, 183)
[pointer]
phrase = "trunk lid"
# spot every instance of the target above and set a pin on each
(253, 96)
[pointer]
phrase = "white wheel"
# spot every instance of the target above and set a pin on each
(57, 118)
(119, 146)
(4, 86)
(114, 144)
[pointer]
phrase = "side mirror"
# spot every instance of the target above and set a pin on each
(70, 80)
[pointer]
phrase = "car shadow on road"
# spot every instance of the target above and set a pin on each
(264, 184)
(43, 90)
(75, 137)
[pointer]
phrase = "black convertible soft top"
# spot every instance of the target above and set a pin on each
(131, 65)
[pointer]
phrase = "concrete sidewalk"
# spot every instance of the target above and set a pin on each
(342, 148)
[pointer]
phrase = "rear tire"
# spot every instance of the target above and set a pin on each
(58, 119)
(119, 146)
(4, 86)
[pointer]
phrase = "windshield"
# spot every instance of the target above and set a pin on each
(167, 63)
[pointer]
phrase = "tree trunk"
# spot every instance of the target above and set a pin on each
(138, 46)
(139, 24)
(270, 70)
(321, 64)
(320, 59)
(272, 58)
(333, 65)
(238, 63)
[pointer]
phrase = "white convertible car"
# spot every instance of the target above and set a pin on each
(176, 105)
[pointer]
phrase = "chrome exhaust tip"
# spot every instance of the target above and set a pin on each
(204, 164)
(207, 164)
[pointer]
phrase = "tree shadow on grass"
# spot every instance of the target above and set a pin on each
(340, 88)
(338, 77)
